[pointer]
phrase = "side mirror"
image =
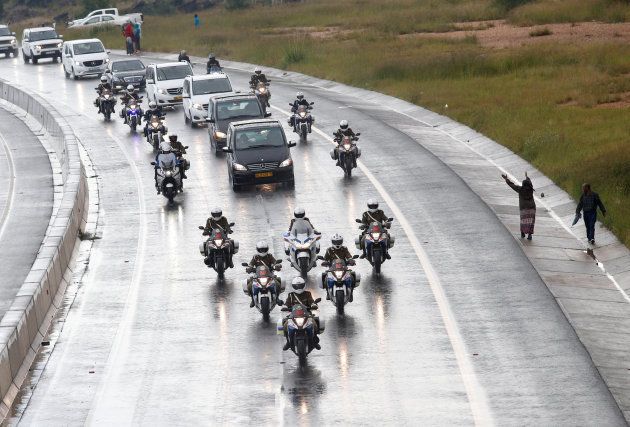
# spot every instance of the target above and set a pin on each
(285, 309)
(153, 163)
(267, 114)
(231, 224)
(312, 103)
(291, 144)
(209, 120)
(390, 219)
(290, 105)
(108, 71)
(186, 147)
(317, 301)
(325, 264)
(320, 257)
(244, 264)
(278, 261)
(362, 227)
(355, 256)
(201, 227)
(150, 81)
(227, 150)
(277, 267)
(357, 134)
(359, 221)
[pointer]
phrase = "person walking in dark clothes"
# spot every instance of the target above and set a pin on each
(526, 204)
(589, 202)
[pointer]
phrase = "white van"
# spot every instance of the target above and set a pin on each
(197, 93)
(84, 58)
(166, 81)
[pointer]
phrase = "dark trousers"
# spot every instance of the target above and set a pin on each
(590, 218)
(129, 42)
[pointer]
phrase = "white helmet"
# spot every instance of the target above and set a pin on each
(152, 105)
(216, 213)
(337, 240)
(343, 124)
(165, 146)
(262, 248)
(298, 284)
(257, 70)
(300, 95)
(299, 212)
(372, 205)
(129, 88)
(103, 79)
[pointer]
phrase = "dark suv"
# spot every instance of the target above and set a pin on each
(258, 153)
(125, 72)
(225, 109)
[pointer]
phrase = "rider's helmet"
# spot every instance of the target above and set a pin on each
(165, 147)
(216, 213)
(211, 56)
(299, 212)
(343, 124)
(130, 88)
(298, 284)
(152, 105)
(257, 70)
(372, 205)
(337, 241)
(172, 137)
(103, 79)
(300, 95)
(262, 248)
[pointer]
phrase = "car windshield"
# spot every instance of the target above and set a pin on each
(176, 72)
(122, 66)
(207, 86)
(243, 108)
(86, 48)
(247, 139)
(43, 35)
(5, 32)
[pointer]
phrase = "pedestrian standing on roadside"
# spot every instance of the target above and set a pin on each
(128, 34)
(196, 21)
(589, 202)
(137, 34)
(526, 204)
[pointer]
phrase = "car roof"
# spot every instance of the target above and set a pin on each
(257, 123)
(233, 96)
(127, 60)
(170, 64)
(213, 76)
(83, 41)
(38, 29)
(4, 26)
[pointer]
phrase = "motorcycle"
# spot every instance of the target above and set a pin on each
(300, 328)
(302, 121)
(169, 181)
(107, 102)
(156, 131)
(213, 69)
(377, 242)
(217, 249)
(339, 282)
(261, 90)
(133, 114)
(266, 287)
(347, 153)
(302, 246)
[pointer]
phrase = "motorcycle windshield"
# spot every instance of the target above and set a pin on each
(338, 265)
(301, 230)
(262, 271)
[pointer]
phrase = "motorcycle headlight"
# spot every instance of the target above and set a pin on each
(338, 274)
(347, 147)
(198, 106)
(262, 90)
(155, 125)
(238, 167)
(106, 96)
(263, 281)
(302, 114)
(168, 174)
(219, 135)
(132, 107)
(299, 321)
(303, 246)
(162, 91)
(287, 162)
(376, 236)
(218, 242)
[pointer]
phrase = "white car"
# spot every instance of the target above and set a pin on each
(8, 42)
(105, 17)
(197, 93)
(166, 81)
(84, 58)
(41, 42)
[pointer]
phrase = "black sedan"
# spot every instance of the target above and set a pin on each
(125, 72)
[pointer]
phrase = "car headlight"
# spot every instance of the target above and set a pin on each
(38, 47)
(238, 167)
(299, 321)
(107, 60)
(287, 162)
(14, 42)
(197, 106)
(338, 274)
(77, 63)
(59, 44)
(162, 91)
(219, 135)
(376, 236)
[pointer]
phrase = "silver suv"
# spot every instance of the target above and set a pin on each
(8, 43)
(41, 42)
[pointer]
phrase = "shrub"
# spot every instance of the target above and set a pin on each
(236, 4)
(540, 32)
(510, 4)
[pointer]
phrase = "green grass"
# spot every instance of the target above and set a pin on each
(543, 102)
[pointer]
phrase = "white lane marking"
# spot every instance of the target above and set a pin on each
(549, 209)
(105, 405)
(476, 395)
(11, 195)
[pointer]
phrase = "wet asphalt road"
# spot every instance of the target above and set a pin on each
(154, 338)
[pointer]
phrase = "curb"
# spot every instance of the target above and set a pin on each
(26, 322)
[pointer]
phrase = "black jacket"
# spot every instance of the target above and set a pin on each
(181, 58)
(298, 102)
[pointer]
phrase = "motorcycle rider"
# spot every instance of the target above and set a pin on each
(305, 298)
(300, 100)
(212, 62)
(183, 57)
(339, 251)
(344, 130)
(300, 214)
(259, 77)
(154, 110)
(131, 93)
(218, 221)
(165, 159)
(179, 149)
(373, 214)
(103, 85)
(262, 258)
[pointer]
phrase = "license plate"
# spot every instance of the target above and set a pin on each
(263, 174)
(94, 68)
(178, 98)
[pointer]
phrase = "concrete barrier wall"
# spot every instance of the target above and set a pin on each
(25, 324)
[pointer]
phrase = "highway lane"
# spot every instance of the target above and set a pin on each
(26, 203)
(167, 343)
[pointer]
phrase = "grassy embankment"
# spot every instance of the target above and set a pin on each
(549, 102)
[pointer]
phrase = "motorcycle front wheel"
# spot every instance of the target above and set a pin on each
(264, 308)
(340, 299)
(300, 349)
